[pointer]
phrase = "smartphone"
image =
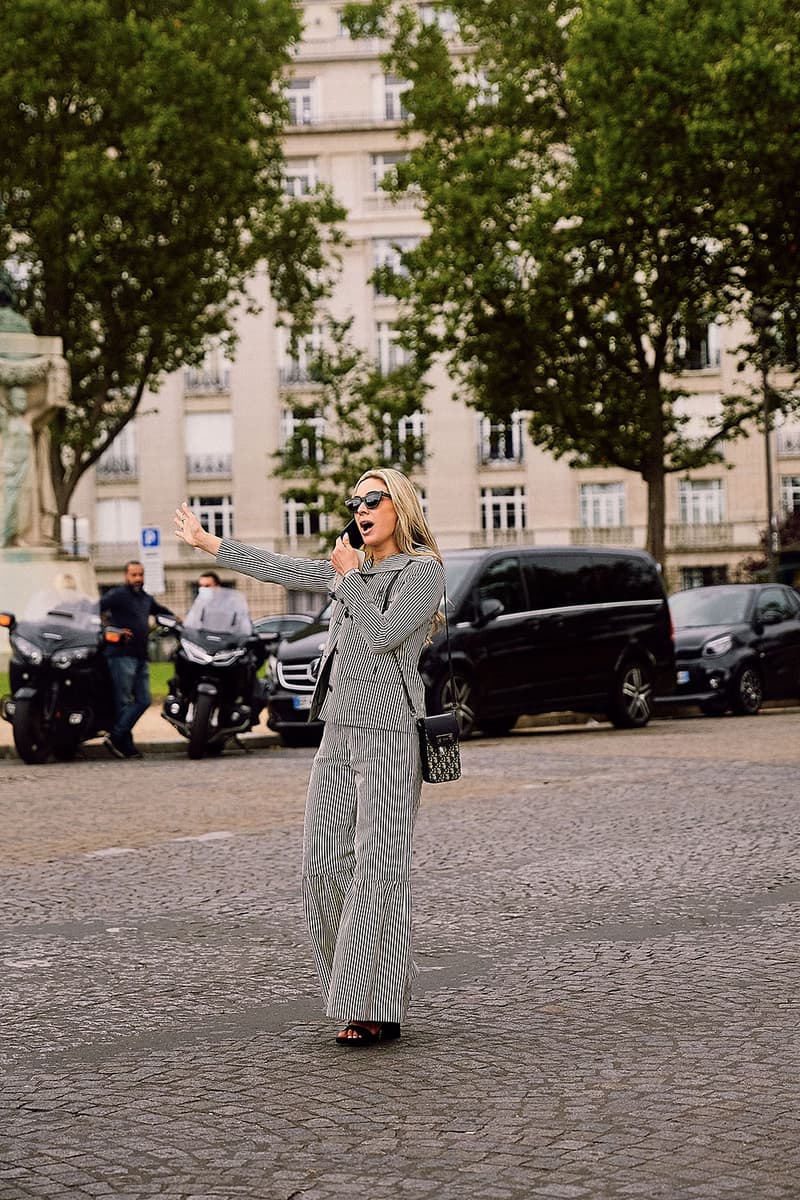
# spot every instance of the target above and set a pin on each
(354, 533)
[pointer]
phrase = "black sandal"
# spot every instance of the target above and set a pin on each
(387, 1032)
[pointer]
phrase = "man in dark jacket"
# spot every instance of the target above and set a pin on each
(129, 607)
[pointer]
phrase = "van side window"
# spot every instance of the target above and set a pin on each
(626, 578)
(501, 580)
(559, 580)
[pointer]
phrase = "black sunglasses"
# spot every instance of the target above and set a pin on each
(371, 500)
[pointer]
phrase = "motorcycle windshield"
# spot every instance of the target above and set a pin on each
(219, 610)
(63, 606)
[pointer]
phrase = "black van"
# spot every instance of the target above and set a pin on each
(532, 629)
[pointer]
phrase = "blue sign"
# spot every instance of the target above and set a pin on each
(151, 536)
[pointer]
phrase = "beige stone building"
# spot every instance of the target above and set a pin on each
(210, 435)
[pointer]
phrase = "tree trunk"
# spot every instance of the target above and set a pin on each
(656, 513)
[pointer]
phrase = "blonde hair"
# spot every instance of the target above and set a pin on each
(412, 533)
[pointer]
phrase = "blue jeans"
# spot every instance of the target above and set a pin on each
(130, 680)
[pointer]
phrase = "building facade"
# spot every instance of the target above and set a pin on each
(211, 435)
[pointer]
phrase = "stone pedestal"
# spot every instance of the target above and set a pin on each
(25, 570)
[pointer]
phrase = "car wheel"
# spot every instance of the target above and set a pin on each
(457, 695)
(747, 692)
(632, 698)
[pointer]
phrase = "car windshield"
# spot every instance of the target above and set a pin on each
(699, 606)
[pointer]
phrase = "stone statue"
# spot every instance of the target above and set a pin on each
(34, 385)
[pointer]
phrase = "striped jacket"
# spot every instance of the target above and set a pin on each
(359, 682)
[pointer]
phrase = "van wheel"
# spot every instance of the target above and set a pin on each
(747, 692)
(632, 698)
(459, 697)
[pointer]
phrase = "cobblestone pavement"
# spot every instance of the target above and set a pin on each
(608, 927)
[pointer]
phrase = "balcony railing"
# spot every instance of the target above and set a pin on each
(294, 375)
(198, 380)
(117, 468)
(700, 537)
(602, 535)
(502, 537)
(204, 466)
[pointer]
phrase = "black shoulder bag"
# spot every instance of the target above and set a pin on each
(438, 735)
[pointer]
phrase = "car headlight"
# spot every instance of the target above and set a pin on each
(719, 645)
(65, 658)
(26, 649)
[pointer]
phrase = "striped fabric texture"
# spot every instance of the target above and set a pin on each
(366, 779)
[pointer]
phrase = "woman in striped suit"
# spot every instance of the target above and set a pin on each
(366, 778)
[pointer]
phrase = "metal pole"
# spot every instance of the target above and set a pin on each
(772, 527)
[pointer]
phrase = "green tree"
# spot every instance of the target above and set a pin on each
(141, 185)
(350, 422)
(567, 166)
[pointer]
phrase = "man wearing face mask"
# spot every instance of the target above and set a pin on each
(218, 608)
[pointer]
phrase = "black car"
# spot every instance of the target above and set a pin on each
(272, 629)
(736, 645)
(532, 630)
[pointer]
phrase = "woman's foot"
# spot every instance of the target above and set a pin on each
(367, 1033)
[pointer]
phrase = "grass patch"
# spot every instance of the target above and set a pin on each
(160, 673)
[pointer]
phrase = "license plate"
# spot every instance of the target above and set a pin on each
(683, 677)
(301, 702)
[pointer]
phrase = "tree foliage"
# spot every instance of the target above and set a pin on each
(347, 423)
(584, 185)
(140, 187)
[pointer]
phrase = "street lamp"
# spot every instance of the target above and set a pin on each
(762, 319)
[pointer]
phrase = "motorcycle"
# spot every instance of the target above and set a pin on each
(60, 685)
(215, 692)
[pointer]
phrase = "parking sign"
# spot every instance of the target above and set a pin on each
(152, 559)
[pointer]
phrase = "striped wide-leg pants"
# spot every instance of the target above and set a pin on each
(363, 798)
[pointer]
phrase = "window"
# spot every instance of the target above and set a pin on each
(119, 460)
(387, 253)
(300, 96)
(209, 444)
(503, 508)
(298, 367)
(383, 167)
(393, 91)
(560, 580)
(300, 176)
(701, 502)
(790, 493)
(502, 581)
(391, 354)
(117, 520)
(602, 505)
(301, 521)
(437, 14)
(212, 375)
(697, 346)
(501, 441)
(215, 514)
(405, 443)
(774, 605)
(302, 436)
(694, 577)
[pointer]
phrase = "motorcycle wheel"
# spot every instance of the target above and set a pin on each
(201, 723)
(29, 733)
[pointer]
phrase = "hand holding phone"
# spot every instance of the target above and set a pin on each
(354, 534)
